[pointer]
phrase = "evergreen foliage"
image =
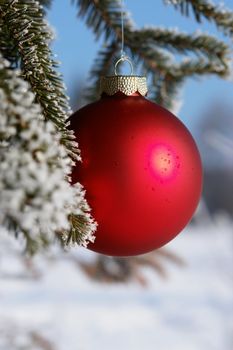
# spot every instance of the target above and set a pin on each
(25, 38)
(155, 49)
(37, 149)
(36, 200)
(222, 17)
(24, 27)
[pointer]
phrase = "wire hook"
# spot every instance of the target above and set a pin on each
(124, 59)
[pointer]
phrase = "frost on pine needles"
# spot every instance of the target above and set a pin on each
(37, 201)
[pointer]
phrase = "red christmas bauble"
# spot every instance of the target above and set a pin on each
(141, 170)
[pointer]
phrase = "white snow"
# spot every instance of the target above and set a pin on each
(191, 310)
(36, 197)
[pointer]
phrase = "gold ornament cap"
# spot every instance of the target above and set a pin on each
(127, 84)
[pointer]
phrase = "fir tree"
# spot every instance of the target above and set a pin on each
(37, 149)
(36, 199)
(155, 49)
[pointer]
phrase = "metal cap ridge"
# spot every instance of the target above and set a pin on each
(127, 84)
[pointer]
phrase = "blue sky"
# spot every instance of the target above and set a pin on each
(76, 48)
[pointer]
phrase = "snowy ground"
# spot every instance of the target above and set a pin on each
(191, 310)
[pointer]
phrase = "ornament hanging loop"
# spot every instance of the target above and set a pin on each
(124, 59)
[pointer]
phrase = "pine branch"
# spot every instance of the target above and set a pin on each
(176, 41)
(37, 200)
(103, 17)
(168, 76)
(46, 3)
(102, 66)
(82, 225)
(7, 46)
(24, 28)
(192, 67)
(222, 17)
(26, 39)
(152, 48)
(166, 87)
(165, 91)
(30, 154)
(174, 80)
